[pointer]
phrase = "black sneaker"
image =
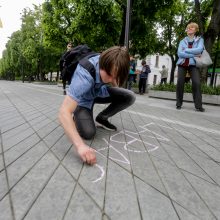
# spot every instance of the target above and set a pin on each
(105, 124)
(200, 109)
(178, 107)
(64, 92)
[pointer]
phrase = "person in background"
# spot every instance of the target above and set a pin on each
(189, 47)
(132, 74)
(188, 77)
(164, 75)
(68, 47)
(143, 77)
(76, 111)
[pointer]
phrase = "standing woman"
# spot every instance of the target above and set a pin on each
(190, 47)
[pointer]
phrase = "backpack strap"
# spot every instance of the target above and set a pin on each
(88, 65)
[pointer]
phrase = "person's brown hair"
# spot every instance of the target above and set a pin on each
(115, 60)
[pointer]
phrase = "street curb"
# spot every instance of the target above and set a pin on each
(207, 99)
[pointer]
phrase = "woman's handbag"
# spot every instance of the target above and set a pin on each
(203, 60)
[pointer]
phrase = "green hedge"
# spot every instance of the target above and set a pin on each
(188, 88)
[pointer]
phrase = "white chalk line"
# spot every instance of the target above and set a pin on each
(124, 159)
(175, 122)
(102, 173)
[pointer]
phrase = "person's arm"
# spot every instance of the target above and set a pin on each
(181, 52)
(86, 153)
(197, 50)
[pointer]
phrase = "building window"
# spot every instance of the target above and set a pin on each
(157, 61)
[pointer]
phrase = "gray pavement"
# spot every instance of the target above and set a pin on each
(161, 163)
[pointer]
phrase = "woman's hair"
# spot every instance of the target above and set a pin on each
(115, 61)
(193, 24)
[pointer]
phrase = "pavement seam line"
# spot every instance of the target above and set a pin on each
(7, 179)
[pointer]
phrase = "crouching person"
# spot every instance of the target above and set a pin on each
(76, 111)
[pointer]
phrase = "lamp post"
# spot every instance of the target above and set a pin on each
(127, 25)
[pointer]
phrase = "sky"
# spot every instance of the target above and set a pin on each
(10, 15)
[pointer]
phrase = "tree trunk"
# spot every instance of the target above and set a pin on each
(122, 36)
(173, 67)
(199, 16)
(212, 32)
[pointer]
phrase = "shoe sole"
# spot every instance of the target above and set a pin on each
(103, 126)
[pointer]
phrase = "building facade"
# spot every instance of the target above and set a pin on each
(156, 62)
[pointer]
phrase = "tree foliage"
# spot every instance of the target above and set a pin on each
(156, 27)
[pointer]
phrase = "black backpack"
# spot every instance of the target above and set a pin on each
(75, 56)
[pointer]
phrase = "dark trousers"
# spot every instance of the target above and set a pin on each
(64, 84)
(131, 80)
(142, 85)
(163, 80)
(119, 100)
(196, 86)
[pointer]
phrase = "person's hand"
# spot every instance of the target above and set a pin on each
(87, 154)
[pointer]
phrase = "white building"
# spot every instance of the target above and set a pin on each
(156, 62)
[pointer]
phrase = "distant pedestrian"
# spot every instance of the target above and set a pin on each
(164, 75)
(143, 77)
(190, 47)
(132, 74)
(62, 60)
(188, 77)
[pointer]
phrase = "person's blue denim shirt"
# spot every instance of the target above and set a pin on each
(185, 52)
(83, 89)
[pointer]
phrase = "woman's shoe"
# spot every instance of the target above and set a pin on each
(201, 109)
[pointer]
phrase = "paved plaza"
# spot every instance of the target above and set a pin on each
(161, 163)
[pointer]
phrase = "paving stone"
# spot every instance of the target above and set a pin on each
(5, 209)
(15, 131)
(143, 167)
(93, 178)
(15, 152)
(19, 168)
(12, 124)
(12, 141)
(210, 167)
(54, 136)
(53, 201)
(1, 162)
(3, 185)
(181, 191)
(43, 132)
(185, 214)
(120, 199)
(153, 204)
(61, 147)
(41, 124)
(185, 162)
(26, 191)
(207, 191)
(82, 207)
(73, 163)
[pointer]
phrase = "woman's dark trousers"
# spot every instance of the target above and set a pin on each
(119, 100)
(196, 86)
(142, 85)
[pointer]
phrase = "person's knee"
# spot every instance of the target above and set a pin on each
(131, 97)
(88, 134)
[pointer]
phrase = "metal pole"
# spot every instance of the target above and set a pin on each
(127, 25)
(214, 64)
